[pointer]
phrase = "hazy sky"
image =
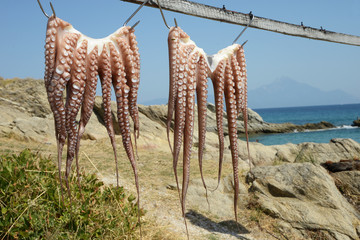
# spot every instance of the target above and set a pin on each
(270, 56)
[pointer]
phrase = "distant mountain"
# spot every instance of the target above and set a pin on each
(289, 93)
(285, 93)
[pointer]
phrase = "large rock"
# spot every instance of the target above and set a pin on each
(356, 123)
(304, 197)
(337, 149)
(348, 183)
(26, 95)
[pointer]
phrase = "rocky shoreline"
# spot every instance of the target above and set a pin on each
(257, 125)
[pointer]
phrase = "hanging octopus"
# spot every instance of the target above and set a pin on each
(188, 75)
(72, 62)
(189, 69)
(230, 81)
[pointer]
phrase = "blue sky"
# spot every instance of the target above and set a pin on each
(270, 56)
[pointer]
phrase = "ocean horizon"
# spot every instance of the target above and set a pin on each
(340, 115)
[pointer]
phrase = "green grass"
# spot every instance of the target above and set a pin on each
(31, 206)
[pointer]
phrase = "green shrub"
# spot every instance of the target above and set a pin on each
(31, 205)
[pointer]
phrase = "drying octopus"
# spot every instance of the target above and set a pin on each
(73, 62)
(189, 69)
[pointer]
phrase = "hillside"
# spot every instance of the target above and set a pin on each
(286, 92)
(289, 195)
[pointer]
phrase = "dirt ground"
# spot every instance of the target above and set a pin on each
(158, 194)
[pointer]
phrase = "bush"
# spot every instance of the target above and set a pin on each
(31, 205)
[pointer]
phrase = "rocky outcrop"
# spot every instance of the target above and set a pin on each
(348, 183)
(305, 199)
(25, 95)
(356, 123)
(24, 110)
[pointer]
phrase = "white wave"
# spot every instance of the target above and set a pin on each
(346, 127)
(328, 129)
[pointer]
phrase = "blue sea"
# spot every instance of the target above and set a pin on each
(341, 116)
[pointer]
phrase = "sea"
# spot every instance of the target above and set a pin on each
(341, 116)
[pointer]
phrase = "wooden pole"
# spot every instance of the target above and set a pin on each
(228, 16)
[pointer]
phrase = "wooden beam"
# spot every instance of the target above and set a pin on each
(228, 16)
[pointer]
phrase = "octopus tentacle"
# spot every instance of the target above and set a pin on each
(243, 103)
(180, 108)
(201, 93)
(174, 61)
(57, 73)
(134, 81)
(118, 80)
(126, 137)
(218, 82)
(238, 83)
(231, 110)
(132, 76)
(50, 54)
(189, 127)
(75, 91)
(106, 82)
(88, 99)
(181, 105)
